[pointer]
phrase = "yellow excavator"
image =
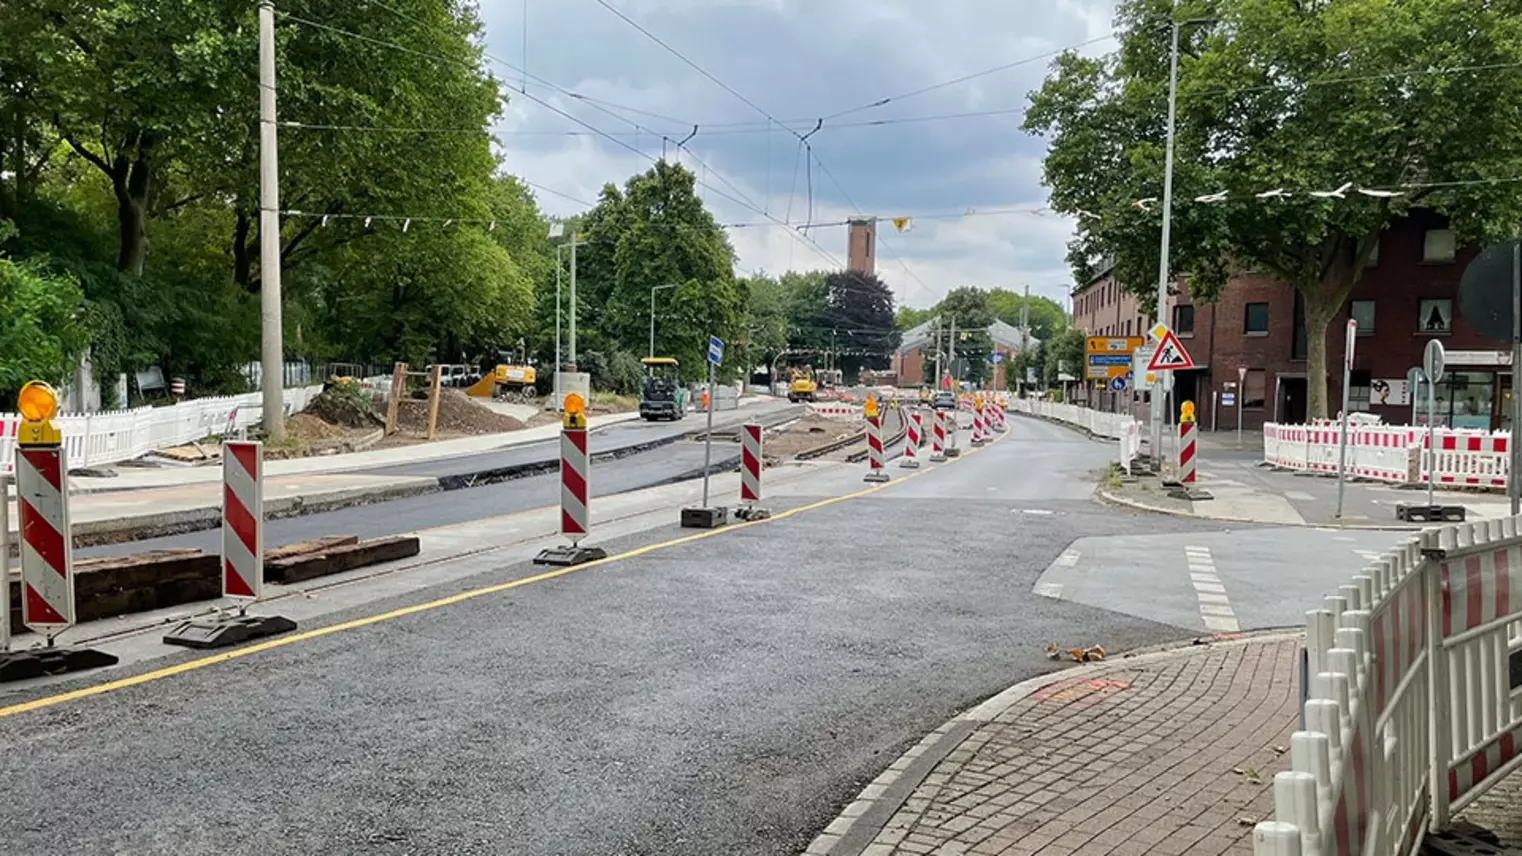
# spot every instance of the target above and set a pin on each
(801, 385)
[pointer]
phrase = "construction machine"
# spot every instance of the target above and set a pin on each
(801, 385)
(661, 396)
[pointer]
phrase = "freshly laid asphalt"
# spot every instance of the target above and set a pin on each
(725, 695)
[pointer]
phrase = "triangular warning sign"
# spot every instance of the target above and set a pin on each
(1170, 355)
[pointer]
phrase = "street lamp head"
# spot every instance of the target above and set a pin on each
(557, 230)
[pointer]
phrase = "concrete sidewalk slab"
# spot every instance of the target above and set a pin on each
(1171, 752)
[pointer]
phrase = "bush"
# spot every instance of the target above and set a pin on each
(627, 373)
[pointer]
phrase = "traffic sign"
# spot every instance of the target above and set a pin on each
(1432, 361)
(715, 350)
(1118, 384)
(1105, 356)
(1170, 354)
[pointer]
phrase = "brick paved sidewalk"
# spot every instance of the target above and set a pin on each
(1170, 754)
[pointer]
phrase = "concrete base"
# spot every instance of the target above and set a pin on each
(875, 476)
(909, 463)
(938, 458)
(953, 452)
(705, 518)
(978, 441)
(1193, 494)
(571, 554)
(222, 632)
(37, 662)
(1430, 513)
(752, 512)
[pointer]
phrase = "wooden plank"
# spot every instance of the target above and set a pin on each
(316, 545)
(295, 569)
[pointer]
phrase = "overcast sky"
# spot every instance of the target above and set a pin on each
(797, 60)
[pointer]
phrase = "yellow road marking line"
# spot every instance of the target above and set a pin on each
(282, 641)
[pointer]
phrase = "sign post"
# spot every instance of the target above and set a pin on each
(1241, 392)
(1432, 366)
(706, 516)
(1342, 434)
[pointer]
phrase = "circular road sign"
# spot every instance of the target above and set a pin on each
(1432, 361)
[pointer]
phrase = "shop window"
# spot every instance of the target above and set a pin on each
(1254, 388)
(1255, 319)
(1434, 316)
(1362, 311)
(1183, 320)
(1438, 246)
(1358, 391)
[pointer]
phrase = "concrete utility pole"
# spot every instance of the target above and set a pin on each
(271, 336)
(573, 302)
(951, 355)
(1025, 336)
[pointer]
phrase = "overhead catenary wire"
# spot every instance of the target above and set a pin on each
(393, 45)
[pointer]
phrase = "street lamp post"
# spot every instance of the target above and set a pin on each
(1156, 411)
(557, 230)
(652, 315)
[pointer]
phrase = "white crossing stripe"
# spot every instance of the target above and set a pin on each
(1215, 607)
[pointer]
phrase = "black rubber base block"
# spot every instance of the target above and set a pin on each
(1430, 513)
(564, 557)
(704, 518)
(222, 632)
(22, 665)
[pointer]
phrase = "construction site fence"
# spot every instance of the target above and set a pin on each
(1396, 454)
(1413, 697)
(95, 439)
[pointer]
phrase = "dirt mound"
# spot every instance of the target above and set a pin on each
(309, 426)
(457, 415)
(807, 433)
(339, 406)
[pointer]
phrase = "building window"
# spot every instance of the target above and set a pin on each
(1253, 388)
(1437, 245)
(1435, 316)
(1358, 391)
(1255, 320)
(1183, 320)
(1362, 311)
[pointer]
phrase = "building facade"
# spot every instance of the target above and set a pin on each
(914, 361)
(1250, 344)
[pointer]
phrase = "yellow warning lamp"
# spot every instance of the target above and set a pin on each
(575, 411)
(38, 404)
(870, 407)
(1186, 412)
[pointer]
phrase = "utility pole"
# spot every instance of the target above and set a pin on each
(573, 301)
(1156, 412)
(1025, 333)
(951, 355)
(271, 337)
(936, 382)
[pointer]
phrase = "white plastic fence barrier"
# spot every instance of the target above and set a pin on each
(1418, 646)
(1113, 426)
(93, 439)
(1398, 454)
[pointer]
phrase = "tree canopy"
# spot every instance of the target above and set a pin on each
(1284, 95)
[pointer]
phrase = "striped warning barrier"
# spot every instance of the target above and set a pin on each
(47, 556)
(574, 518)
(911, 459)
(750, 463)
(875, 471)
(979, 426)
(938, 436)
(243, 519)
(1186, 452)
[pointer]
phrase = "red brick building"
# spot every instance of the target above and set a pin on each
(1405, 298)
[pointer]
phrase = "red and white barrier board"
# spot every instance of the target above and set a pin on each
(1186, 452)
(750, 463)
(938, 435)
(243, 519)
(47, 554)
(574, 518)
(875, 472)
(912, 423)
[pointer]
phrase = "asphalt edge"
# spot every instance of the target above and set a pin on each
(1112, 498)
(852, 832)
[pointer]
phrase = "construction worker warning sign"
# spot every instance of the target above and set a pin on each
(1170, 355)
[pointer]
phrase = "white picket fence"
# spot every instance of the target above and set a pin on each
(1413, 709)
(1113, 426)
(1397, 454)
(92, 439)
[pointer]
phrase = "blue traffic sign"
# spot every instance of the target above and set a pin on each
(1109, 359)
(715, 350)
(1118, 384)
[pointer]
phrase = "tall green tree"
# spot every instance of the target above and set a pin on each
(967, 310)
(42, 333)
(859, 313)
(1047, 316)
(1282, 94)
